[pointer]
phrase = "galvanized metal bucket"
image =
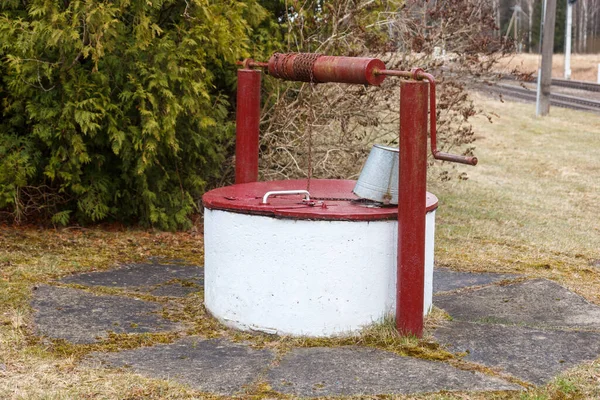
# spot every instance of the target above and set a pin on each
(378, 180)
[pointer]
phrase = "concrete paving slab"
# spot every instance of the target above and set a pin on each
(81, 317)
(219, 366)
(357, 370)
(143, 277)
(529, 354)
(445, 279)
(536, 303)
(214, 365)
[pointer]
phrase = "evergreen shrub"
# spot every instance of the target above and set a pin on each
(117, 109)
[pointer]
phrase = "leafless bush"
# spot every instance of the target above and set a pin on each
(327, 130)
(33, 203)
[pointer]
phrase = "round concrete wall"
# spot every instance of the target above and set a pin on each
(303, 277)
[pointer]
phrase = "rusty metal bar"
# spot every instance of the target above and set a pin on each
(247, 126)
(410, 278)
(393, 72)
(249, 63)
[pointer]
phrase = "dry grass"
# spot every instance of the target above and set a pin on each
(529, 207)
(382, 335)
(584, 67)
(29, 255)
(30, 369)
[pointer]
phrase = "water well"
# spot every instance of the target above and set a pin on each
(283, 259)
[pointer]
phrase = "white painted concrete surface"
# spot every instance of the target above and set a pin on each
(302, 277)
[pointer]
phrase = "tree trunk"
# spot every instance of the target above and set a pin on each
(530, 25)
(585, 7)
(592, 31)
(547, 51)
(580, 27)
(518, 25)
(498, 21)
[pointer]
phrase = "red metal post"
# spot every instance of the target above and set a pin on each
(411, 207)
(247, 122)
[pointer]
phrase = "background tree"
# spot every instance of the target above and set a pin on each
(559, 27)
(586, 23)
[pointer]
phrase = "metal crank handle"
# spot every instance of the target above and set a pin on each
(438, 155)
(418, 74)
(285, 193)
(455, 158)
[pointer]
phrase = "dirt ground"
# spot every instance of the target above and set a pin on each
(584, 67)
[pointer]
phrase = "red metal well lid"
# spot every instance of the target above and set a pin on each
(330, 199)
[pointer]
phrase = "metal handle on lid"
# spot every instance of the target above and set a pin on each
(283, 193)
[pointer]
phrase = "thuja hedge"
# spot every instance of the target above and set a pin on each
(117, 109)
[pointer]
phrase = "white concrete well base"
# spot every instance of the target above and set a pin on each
(303, 277)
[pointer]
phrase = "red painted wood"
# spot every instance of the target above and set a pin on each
(247, 121)
(411, 207)
(246, 198)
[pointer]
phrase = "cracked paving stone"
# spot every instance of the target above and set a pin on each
(445, 279)
(213, 365)
(81, 317)
(529, 354)
(536, 303)
(145, 277)
(355, 370)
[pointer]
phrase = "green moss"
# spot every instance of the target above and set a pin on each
(113, 343)
(381, 335)
(262, 390)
